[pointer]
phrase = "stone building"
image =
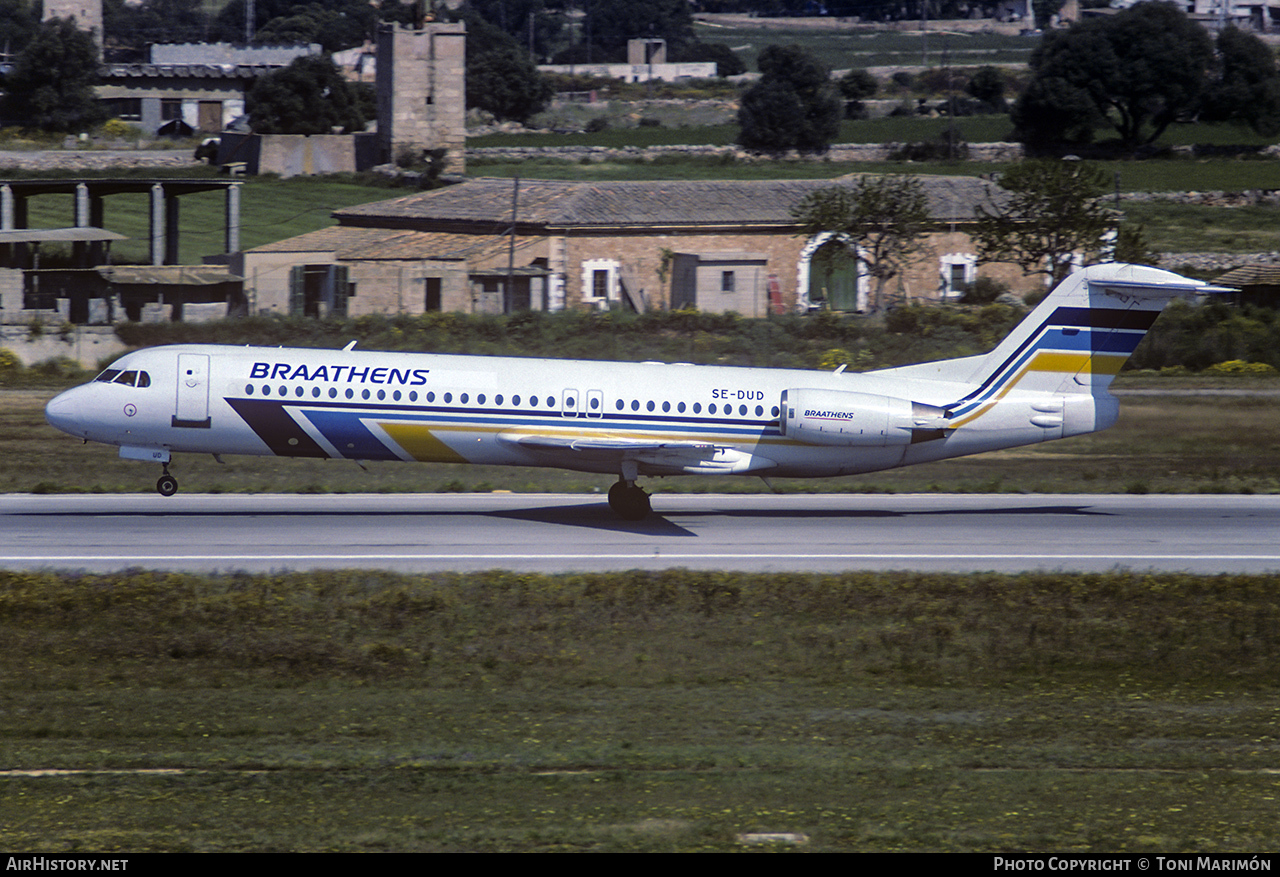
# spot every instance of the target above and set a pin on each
(190, 87)
(421, 88)
(87, 14)
(495, 245)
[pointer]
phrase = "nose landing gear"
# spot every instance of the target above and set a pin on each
(166, 485)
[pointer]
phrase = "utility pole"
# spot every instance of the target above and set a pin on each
(508, 293)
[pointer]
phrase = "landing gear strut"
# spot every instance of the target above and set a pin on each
(628, 501)
(167, 485)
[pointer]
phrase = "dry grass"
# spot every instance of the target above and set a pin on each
(639, 711)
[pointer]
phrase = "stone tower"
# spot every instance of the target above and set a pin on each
(422, 91)
(87, 13)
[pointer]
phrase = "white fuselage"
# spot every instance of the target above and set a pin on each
(475, 409)
(1048, 379)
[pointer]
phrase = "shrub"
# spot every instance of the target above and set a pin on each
(120, 130)
(1240, 367)
(9, 362)
(60, 367)
(834, 358)
(983, 291)
(950, 146)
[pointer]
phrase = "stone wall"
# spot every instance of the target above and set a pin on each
(87, 345)
(95, 159)
(838, 152)
(1216, 261)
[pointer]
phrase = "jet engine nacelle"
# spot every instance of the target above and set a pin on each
(837, 417)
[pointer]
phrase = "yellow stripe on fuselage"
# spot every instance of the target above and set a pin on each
(421, 443)
(418, 442)
(1051, 361)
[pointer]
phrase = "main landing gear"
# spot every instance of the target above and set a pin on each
(628, 501)
(167, 485)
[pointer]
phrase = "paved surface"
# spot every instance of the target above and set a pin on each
(551, 533)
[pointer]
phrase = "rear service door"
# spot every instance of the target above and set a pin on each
(193, 391)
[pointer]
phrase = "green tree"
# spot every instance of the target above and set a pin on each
(727, 63)
(1135, 71)
(855, 87)
(500, 76)
(516, 17)
(133, 27)
(987, 84)
(1132, 246)
(881, 220)
(307, 97)
(610, 24)
(1049, 211)
(334, 24)
(793, 106)
(19, 21)
(1245, 87)
(51, 84)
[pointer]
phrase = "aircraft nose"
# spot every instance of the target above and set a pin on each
(64, 412)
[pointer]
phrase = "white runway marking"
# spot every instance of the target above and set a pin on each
(825, 533)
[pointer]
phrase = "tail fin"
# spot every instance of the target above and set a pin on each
(1077, 339)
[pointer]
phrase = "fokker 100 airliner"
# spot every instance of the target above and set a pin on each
(1048, 379)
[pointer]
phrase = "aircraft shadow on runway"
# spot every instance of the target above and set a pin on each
(596, 515)
(657, 524)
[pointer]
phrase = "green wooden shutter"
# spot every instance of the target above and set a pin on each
(297, 291)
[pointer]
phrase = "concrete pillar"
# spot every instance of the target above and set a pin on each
(233, 218)
(157, 224)
(98, 250)
(6, 207)
(82, 205)
(171, 237)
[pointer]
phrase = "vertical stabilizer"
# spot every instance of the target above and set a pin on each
(1077, 339)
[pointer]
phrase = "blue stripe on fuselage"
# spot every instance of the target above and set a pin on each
(343, 424)
(1073, 338)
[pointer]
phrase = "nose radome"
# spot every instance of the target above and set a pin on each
(63, 411)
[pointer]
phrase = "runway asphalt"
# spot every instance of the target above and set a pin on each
(559, 533)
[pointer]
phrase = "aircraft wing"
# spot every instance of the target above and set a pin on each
(668, 456)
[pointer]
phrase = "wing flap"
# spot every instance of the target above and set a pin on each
(656, 457)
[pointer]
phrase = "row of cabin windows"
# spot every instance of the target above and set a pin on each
(696, 408)
(481, 399)
(396, 395)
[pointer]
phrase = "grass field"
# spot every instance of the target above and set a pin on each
(1221, 445)
(271, 209)
(842, 49)
(886, 129)
(670, 711)
(1171, 175)
(274, 209)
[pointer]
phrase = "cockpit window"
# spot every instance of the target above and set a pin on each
(128, 378)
